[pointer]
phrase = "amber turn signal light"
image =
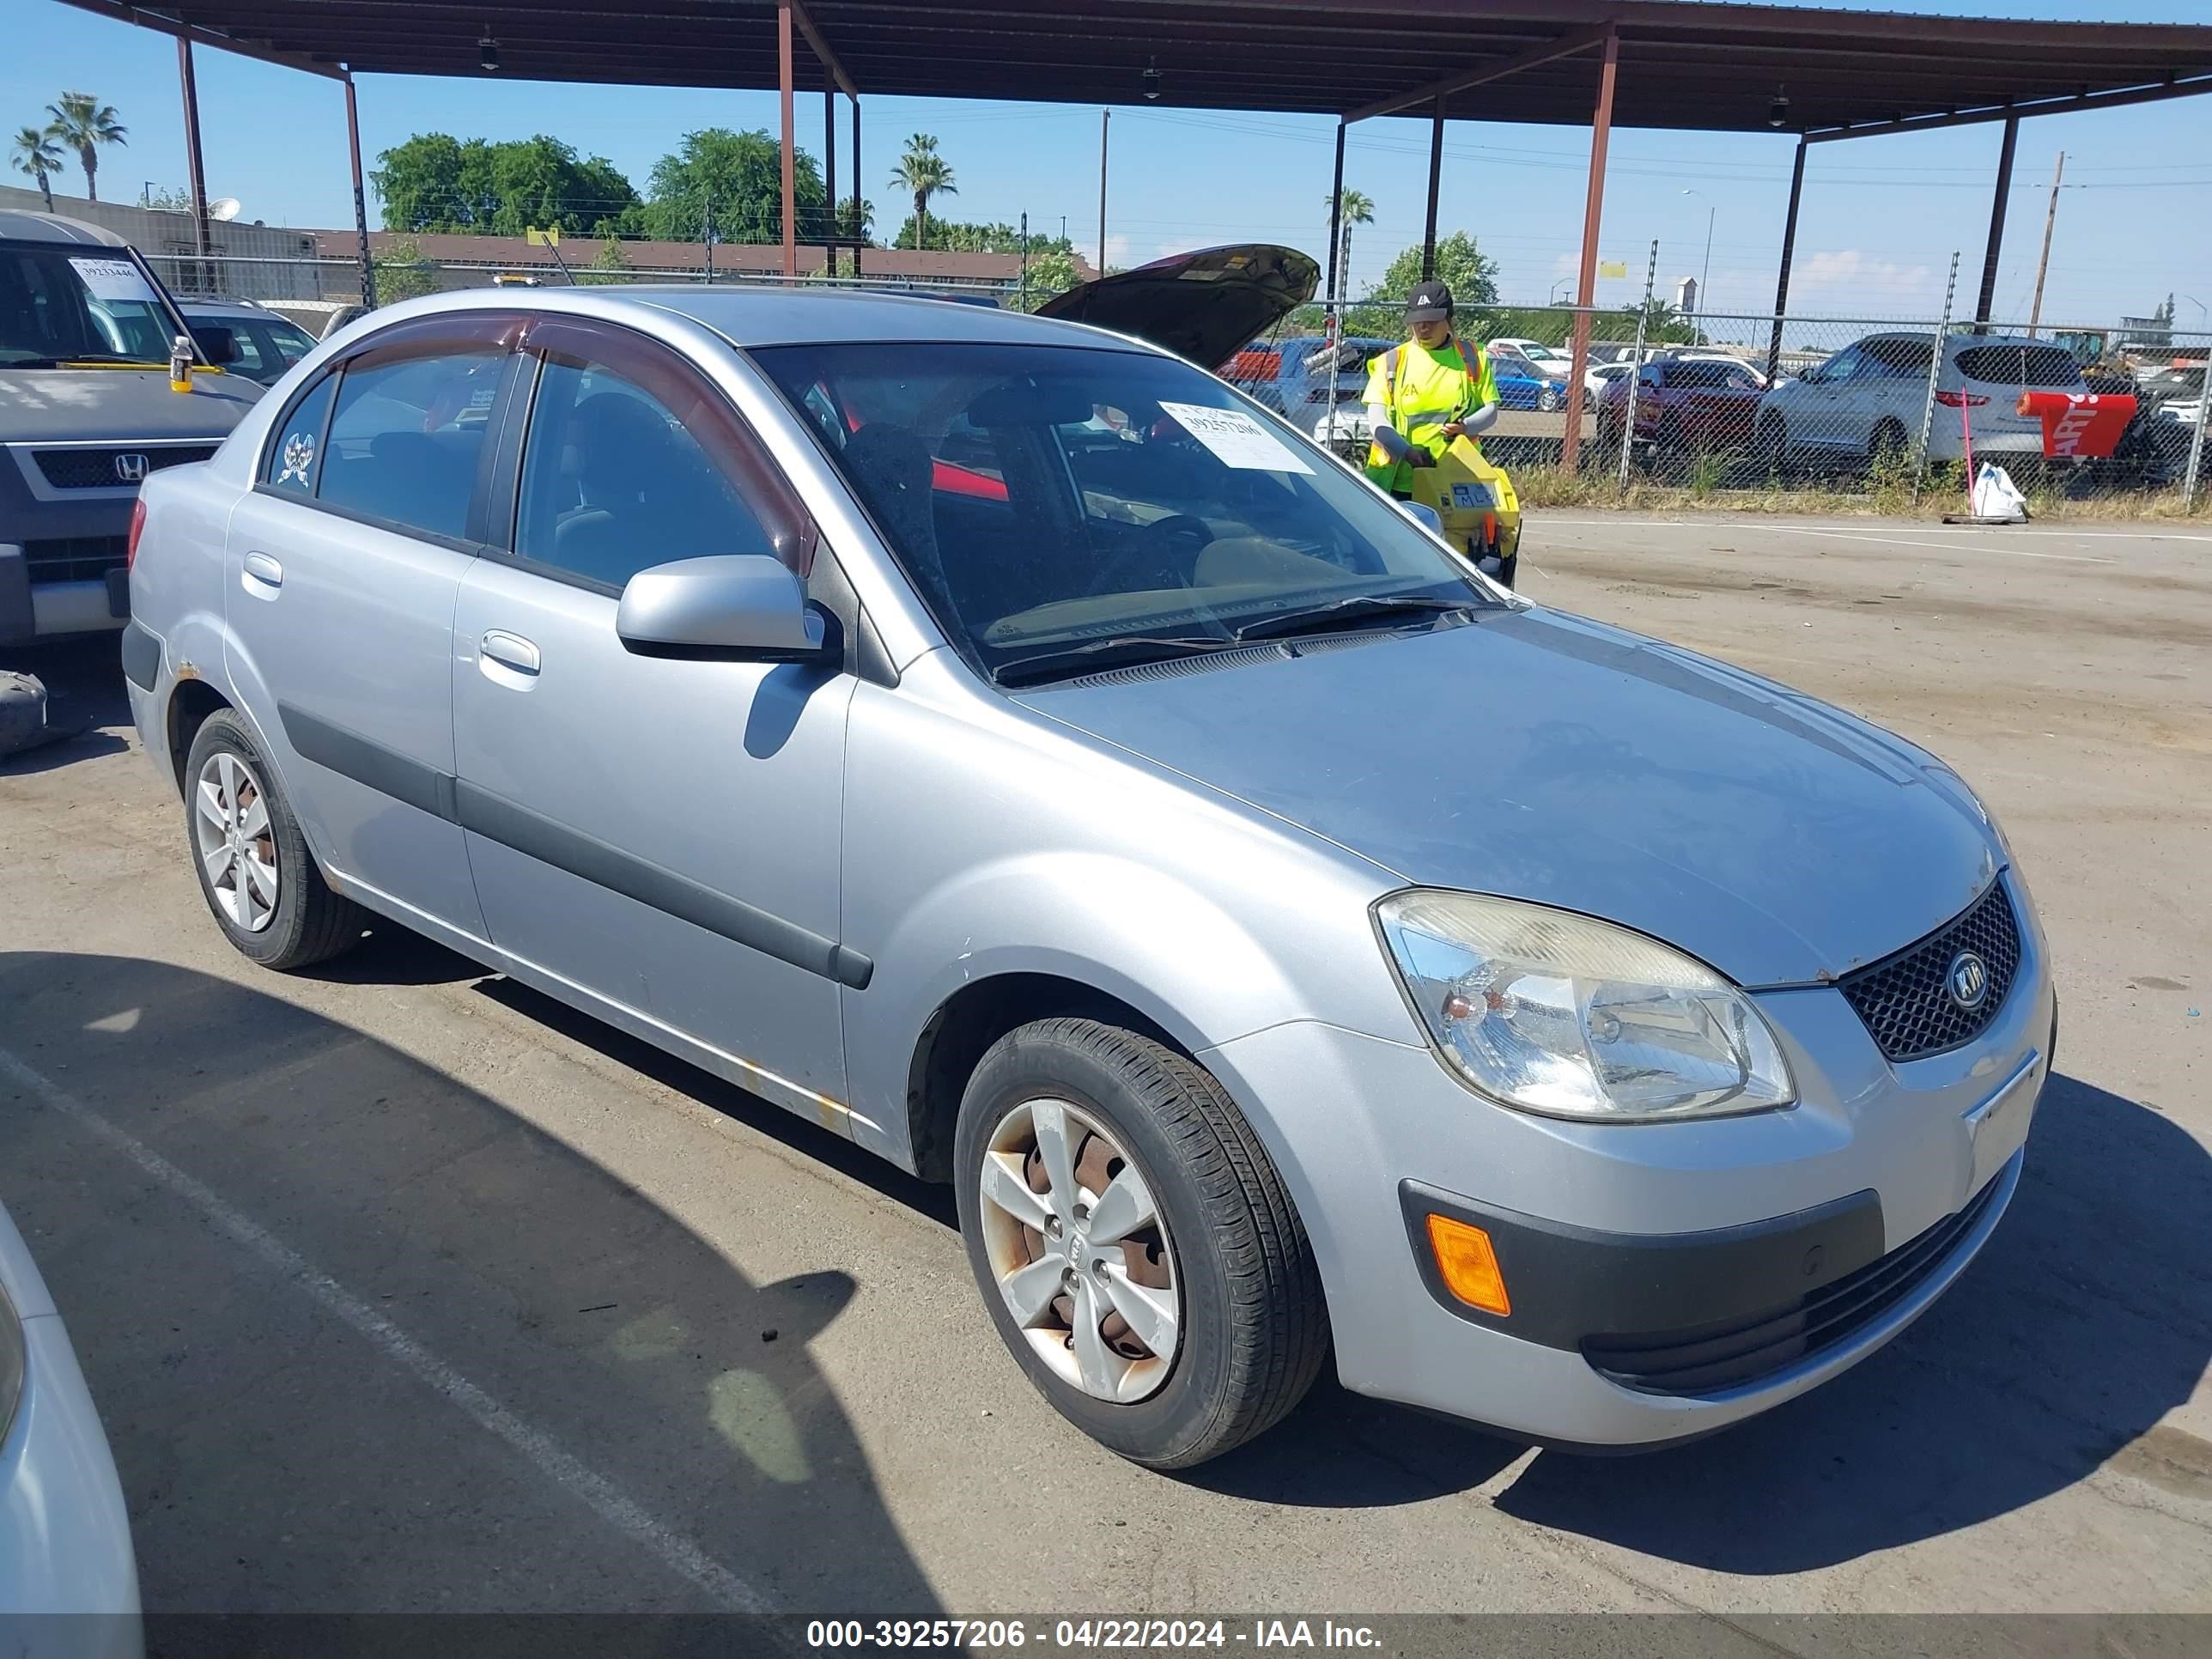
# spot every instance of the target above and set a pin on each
(1469, 1265)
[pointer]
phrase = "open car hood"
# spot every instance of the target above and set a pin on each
(1204, 307)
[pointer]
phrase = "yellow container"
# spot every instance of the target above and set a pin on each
(1476, 501)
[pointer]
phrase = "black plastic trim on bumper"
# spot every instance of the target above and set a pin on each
(1567, 1285)
(142, 656)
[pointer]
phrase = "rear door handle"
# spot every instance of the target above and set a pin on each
(510, 651)
(262, 568)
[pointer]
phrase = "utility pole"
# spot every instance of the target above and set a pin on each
(1104, 117)
(1025, 262)
(2050, 219)
(706, 235)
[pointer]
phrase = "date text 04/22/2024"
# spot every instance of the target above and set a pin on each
(1088, 1634)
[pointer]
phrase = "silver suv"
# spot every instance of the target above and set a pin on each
(86, 414)
(1001, 741)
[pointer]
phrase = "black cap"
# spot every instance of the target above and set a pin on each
(1430, 301)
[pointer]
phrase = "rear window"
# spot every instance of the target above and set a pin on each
(1698, 374)
(2020, 365)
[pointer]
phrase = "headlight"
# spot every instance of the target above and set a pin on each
(11, 1364)
(1554, 1013)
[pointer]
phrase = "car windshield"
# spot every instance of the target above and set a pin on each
(60, 307)
(1048, 501)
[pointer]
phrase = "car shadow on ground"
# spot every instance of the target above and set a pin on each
(2086, 1318)
(85, 701)
(278, 1454)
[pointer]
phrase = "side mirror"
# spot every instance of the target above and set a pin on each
(218, 343)
(1424, 515)
(747, 605)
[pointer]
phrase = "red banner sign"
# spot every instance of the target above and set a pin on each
(2079, 422)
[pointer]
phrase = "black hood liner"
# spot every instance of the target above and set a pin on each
(1205, 307)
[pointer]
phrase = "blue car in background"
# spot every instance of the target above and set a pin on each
(1520, 385)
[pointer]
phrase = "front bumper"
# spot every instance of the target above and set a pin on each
(1665, 1279)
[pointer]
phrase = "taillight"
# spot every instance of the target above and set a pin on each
(1960, 399)
(137, 525)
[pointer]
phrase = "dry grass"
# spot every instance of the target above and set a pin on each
(1888, 496)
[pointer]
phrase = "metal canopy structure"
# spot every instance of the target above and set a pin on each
(1818, 74)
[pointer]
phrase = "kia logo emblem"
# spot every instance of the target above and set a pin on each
(1968, 981)
(132, 468)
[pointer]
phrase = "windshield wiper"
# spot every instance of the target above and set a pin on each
(1352, 611)
(1119, 651)
(120, 358)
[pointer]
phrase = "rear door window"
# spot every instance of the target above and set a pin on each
(1905, 360)
(294, 463)
(2021, 365)
(406, 439)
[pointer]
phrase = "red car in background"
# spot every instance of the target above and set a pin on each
(1687, 403)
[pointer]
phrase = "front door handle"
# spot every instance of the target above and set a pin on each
(510, 651)
(263, 568)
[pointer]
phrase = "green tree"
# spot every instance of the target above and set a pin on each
(83, 124)
(1054, 271)
(435, 182)
(856, 220)
(34, 152)
(1471, 274)
(741, 175)
(608, 264)
(922, 173)
(402, 273)
(951, 235)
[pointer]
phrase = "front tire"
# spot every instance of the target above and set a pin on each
(1548, 401)
(260, 882)
(1134, 1243)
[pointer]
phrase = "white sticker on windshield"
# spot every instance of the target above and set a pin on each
(1236, 437)
(111, 279)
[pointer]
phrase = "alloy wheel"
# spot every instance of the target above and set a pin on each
(237, 847)
(1080, 1251)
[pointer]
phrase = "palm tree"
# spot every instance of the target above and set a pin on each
(925, 174)
(83, 124)
(34, 152)
(1355, 207)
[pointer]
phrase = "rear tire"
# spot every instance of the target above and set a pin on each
(1886, 445)
(260, 882)
(1114, 1112)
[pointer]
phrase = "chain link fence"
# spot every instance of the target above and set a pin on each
(1716, 406)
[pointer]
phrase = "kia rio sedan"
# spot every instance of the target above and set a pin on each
(1000, 741)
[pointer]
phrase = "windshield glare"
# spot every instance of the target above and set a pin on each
(1042, 497)
(93, 305)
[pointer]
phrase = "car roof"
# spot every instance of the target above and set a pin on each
(763, 316)
(20, 227)
(227, 308)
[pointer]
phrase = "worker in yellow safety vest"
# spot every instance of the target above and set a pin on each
(1421, 395)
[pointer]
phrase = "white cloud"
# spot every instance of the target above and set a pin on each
(1848, 268)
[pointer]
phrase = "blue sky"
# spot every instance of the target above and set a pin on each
(1881, 217)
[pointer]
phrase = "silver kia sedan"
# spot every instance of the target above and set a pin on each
(999, 740)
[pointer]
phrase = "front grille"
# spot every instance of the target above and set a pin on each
(1905, 1000)
(1708, 1359)
(95, 469)
(75, 558)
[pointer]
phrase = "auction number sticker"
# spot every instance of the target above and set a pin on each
(1237, 439)
(111, 279)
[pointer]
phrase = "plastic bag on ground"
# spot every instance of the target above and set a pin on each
(1996, 498)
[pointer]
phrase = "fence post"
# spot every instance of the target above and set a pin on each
(2196, 441)
(1635, 372)
(1935, 369)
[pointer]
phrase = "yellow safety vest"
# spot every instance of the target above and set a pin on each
(1428, 387)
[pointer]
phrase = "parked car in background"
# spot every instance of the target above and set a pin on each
(1523, 382)
(86, 415)
(1095, 844)
(2173, 393)
(263, 344)
(1685, 403)
(64, 1536)
(320, 318)
(1296, 386)
(1866, 401)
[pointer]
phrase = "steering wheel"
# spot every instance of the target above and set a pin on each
(1181, 536)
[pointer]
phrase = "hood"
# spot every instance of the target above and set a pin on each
(56, 405)
(1204, 307)
(1538, 755)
